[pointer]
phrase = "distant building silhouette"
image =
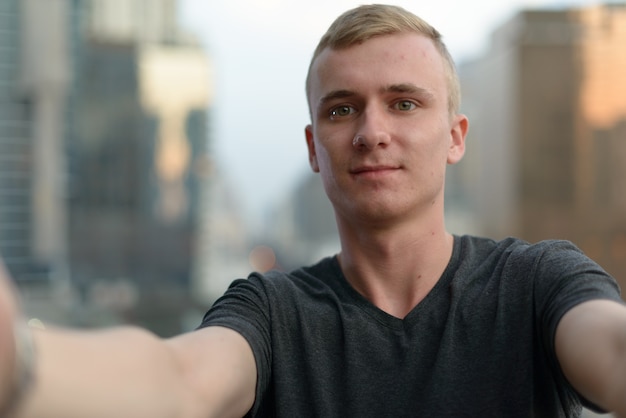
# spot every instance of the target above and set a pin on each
(33, 115)
(138, 165)
(224, 245)
(302, 229)
(104, 157)
(547, 144)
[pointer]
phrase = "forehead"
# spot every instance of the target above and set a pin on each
(377, 62)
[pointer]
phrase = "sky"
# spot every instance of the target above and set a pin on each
(259, 52)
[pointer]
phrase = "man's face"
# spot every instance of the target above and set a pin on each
(381, 133)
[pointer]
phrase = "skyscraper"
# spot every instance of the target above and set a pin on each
(137, 156)
(103, 155)
(33, 108)
(547, 144)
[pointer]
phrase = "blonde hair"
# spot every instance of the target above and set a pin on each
(364, 22)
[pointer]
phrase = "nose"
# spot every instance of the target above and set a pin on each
(373, 130)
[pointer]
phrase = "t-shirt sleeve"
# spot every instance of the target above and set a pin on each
(565, 277)
(244, 309)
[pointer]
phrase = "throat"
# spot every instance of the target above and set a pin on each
(398, 283)
(396, 299)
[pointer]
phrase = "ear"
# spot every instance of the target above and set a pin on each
(458, 132)
(310, 143)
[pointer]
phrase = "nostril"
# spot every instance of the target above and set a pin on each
(358, 141)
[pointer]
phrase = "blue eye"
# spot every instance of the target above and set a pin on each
(341, 111)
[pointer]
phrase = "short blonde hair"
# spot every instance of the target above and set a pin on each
(364, 22)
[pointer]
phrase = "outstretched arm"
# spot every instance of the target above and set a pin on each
(8, 375)
(591, 348)
(129, 372)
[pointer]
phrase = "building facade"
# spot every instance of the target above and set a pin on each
(137, 166)
(34, 118)
(547, 145)
(104, 152)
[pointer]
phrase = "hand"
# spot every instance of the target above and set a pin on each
(8, 317)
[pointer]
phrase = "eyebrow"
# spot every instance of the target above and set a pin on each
(409, 88)
(334, 95)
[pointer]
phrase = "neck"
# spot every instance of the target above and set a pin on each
(395, 268)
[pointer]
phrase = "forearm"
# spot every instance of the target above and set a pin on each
(591, 347)
(122, 372)
(617, 393)
(612, 382)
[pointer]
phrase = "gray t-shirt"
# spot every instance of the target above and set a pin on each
(481, 344)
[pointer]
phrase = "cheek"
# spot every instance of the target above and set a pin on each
(327, 154)
(332, 167)
(430, 156)
(326, 165)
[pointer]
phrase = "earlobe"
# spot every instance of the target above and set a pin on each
(458, 132)
(310, 143)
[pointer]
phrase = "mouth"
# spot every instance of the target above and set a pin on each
(374, 171)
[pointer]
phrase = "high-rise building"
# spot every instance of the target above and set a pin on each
(15, 152)
(547, 144)
(103, 156)
(138, 157)
(33, 112)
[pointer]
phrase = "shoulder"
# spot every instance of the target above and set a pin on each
(544, 268)
(516, 250)
(275, 289)
(302, 279)
(556, 273)
(478, 243)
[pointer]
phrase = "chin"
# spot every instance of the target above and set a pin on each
(374, 212)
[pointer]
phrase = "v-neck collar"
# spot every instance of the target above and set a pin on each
(385, 318)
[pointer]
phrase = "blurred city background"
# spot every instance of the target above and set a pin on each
(115, 209)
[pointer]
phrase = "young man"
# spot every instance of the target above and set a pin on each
(407, 320)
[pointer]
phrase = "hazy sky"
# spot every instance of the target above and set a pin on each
(260, 51)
